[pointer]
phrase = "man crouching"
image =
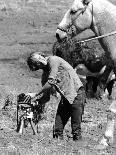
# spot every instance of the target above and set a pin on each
(60, 74)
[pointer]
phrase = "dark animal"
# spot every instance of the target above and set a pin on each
(97, 62)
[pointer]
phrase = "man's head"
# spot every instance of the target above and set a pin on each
(36, 61)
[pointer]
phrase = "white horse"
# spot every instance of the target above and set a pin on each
(100, 17)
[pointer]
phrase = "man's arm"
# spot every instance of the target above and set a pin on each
(53, 64)
(44, 89)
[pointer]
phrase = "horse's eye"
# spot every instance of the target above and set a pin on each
(86, 2)
(73, 11)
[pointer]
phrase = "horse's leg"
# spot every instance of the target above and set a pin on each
(109, 88)
(97, 94)
(89, 84)
(109, 132)
(95, 84)
(103, 79)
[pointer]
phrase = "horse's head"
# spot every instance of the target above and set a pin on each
(79, 15)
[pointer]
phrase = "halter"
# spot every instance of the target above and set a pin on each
(67, 29)
(62, 29)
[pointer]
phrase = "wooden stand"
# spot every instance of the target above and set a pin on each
(27, 115)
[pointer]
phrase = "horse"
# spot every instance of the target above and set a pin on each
(89, 63)
(100, 17)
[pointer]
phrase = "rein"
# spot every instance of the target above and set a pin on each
(98, 37)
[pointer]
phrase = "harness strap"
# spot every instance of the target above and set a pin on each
(62, 29)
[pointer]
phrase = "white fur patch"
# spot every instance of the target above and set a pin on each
(113, 77)
(104, 141)
(110, 129)
(112, 107)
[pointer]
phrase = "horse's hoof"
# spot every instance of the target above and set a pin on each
(100, 147)
(104, 143)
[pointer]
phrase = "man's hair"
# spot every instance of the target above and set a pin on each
(32, 61)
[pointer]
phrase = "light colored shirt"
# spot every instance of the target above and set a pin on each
(64, 77)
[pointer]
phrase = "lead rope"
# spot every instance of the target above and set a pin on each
(98, 37)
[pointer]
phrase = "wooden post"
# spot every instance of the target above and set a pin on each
(17, 115)
(21, 126)
(32, 126)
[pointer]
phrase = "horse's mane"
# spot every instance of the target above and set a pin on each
(105, 2)
(66, 50)
(76, 53)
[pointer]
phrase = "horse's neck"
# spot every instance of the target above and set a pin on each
(104, 20)
(104, 14)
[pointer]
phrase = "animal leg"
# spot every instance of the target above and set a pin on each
(110, 126)
(109, 88)
(109, 133)
(89, 85)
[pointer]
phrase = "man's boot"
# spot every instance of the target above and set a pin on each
(57, 134)
(77, 135)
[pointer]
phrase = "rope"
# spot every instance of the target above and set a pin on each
(99, 37)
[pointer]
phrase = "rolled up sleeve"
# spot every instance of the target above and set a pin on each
(53, 64)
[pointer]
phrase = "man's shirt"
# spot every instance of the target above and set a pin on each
(63, 76)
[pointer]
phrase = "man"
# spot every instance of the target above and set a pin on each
(59, 74)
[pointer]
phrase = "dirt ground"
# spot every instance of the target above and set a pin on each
(27, 26)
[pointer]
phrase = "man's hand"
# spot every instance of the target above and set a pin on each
(37, 96)
(31, 94)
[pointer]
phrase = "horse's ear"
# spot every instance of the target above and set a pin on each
(86, 2)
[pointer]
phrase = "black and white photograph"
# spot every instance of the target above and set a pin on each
(57, 77)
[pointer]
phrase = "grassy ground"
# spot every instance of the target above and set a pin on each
(25, 27)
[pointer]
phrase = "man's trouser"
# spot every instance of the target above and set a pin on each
(66, 110)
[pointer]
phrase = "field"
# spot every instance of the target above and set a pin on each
(27, 26)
